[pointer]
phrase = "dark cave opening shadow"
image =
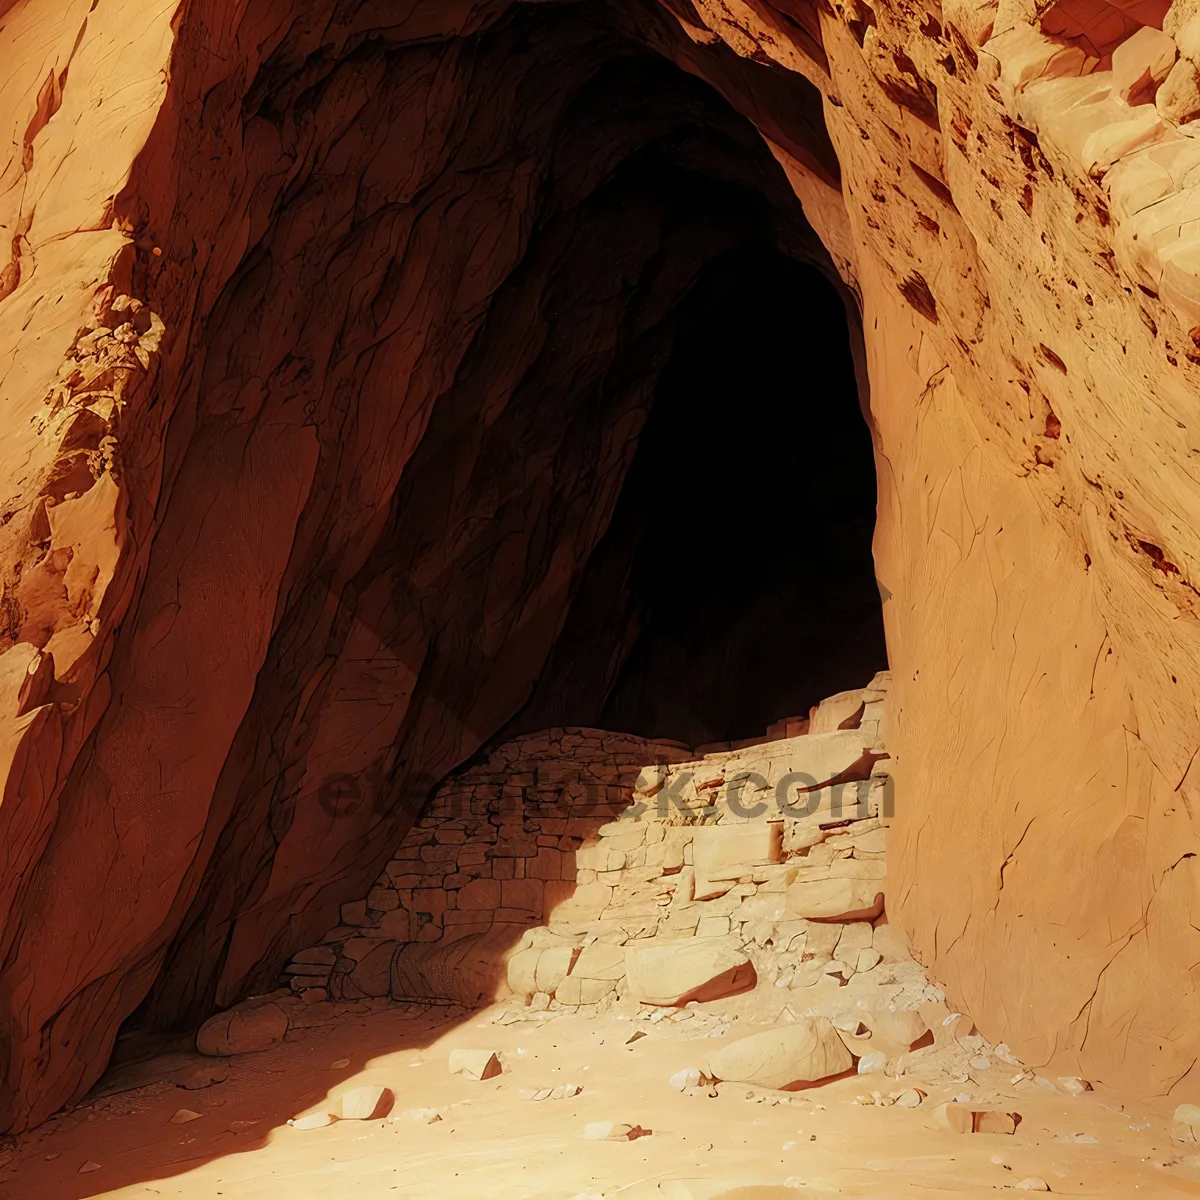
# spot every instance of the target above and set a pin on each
(750, 593)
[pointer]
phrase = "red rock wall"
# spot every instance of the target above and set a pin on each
(300, 534)
(239, 601)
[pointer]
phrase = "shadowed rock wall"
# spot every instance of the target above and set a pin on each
(301, 522)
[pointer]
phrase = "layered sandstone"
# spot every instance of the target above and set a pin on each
(280, 289)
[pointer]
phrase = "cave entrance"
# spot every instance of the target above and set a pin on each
(735, 585)
(576, 379)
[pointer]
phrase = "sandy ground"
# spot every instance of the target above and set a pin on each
(492, 1141)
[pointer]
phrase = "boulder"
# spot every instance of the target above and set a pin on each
(807, 973)
(853, 938)
(1140, 63)
(243, 1030)
(837, 900)
(673, 973)
(462, 971)
(1178, 99)
(786, 1057)
(867, 960)
(887, 940)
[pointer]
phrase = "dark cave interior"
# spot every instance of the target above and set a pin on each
(735, 584)
(755, 482)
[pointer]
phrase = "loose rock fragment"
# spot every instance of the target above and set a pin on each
(876, 1060)
(1074, 1085)
(419, 1116)
(564, 1091)
(313, 1121)
(841, 900)
(1032, 1183)
(477, 1064)
(88, 1167)
(184, 1115)
(613, 1131)
(962, 1118)
(367, 1103)
(690, 1077)
(909, 1098)
(902, 1028)
(195, 1078)
(1188, 1114)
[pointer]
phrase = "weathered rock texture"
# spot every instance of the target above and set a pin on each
(293, 517)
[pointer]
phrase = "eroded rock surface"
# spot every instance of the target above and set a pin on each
(278, 298)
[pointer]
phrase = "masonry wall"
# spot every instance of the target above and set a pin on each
(585, 835)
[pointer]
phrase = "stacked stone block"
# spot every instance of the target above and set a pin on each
(576, 865)
(493, 853)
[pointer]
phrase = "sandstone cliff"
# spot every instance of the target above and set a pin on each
(283, 283)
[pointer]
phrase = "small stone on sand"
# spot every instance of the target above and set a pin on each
(313, 1121)
(476, 1064)
(614, 1131)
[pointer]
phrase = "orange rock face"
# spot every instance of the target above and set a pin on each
(279, 295)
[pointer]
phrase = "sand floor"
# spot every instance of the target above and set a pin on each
(492, 1141)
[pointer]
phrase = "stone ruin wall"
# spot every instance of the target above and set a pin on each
(572, 837)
